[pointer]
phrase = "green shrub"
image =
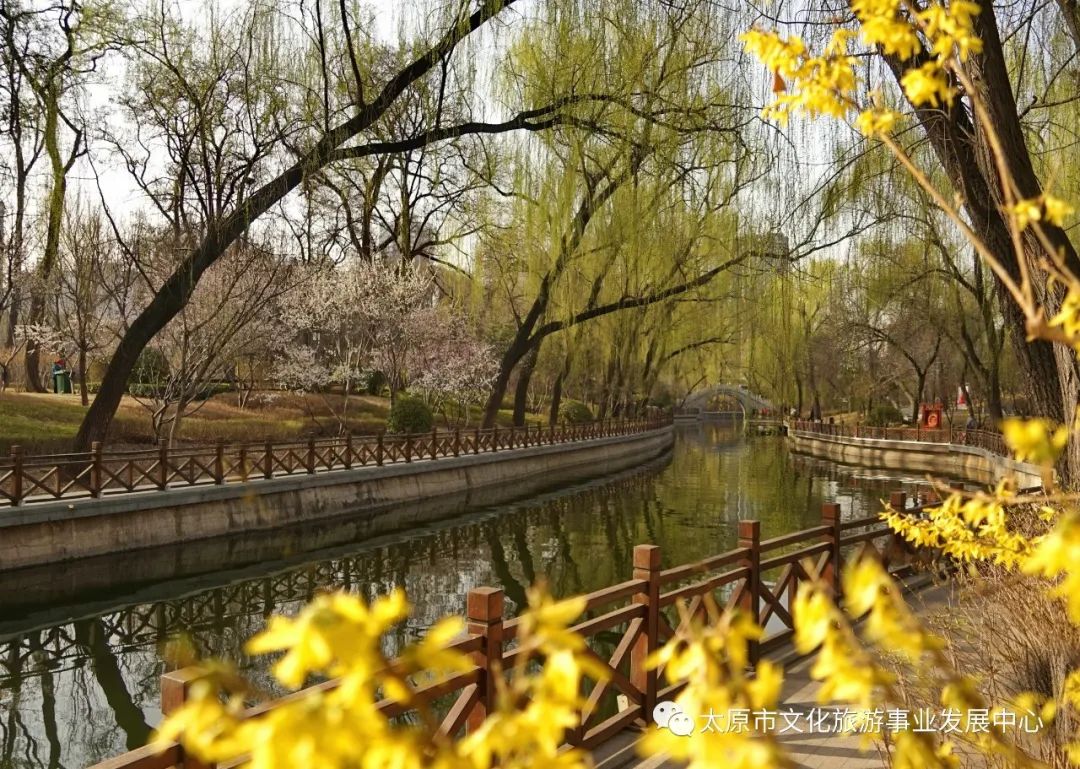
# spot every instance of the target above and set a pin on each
(575, 412)
(410, 415)
(213, 388)
(376, 383)
(884, 415)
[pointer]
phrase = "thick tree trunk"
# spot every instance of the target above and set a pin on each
(991, 76)
(1070, 14)
(1050, 372)
(514, 353)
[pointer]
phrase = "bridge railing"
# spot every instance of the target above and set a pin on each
(623, 624)
(983, 439)
(98, 472)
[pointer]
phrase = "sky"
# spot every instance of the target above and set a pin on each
(391, 18)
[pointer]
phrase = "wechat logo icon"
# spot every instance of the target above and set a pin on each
(668, 715)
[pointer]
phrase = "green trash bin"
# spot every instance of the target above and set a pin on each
(61, 379)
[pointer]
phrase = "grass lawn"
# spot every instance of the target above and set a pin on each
(47, 423)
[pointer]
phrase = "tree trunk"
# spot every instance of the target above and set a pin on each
(83, 396)
(1070, 13)
(556, 400)
(513, 355)
(994, 408)
(32, 354)
(920, 385)
(521, 391)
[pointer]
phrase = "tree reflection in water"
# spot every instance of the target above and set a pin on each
(76, 691)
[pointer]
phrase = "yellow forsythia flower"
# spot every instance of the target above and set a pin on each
(927, 84)
(1026, 212)
(877, 121)
(1043, 208)
(1068, 317)
(1035, 440)
(1057, 554)
(1057, 210)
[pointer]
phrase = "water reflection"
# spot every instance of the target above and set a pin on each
(79, 676)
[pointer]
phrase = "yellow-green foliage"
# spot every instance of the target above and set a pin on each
(339, 635)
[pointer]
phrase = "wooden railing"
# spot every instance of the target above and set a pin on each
(623, 624)
(96, 473)
(983, 439)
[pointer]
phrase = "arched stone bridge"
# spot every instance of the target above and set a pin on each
(748, 400)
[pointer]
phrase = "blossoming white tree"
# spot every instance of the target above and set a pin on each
(449, 366)
(345, 317)
(365, 317)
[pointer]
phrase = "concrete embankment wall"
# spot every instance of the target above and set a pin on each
(49, 532)
(936, 459)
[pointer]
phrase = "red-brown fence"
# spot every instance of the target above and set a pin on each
(982, 439)
(760, 576)
(28, 479)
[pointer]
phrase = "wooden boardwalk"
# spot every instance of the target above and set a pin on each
(807, 750)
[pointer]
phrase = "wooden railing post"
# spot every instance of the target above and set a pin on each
(476, 440)
(408, 447)
(219, 462)
(495, 438)
(175, 687)
(348, 451)
(16, 475)
(243, 464)
(646, 567)
(268, 460)
(750, 538)
(95, 469)
(512, 429)
(310, 456)
(379, 449)
(898, 501)
(830, 516)
(434, 443)
(457, 441)
(483, 613)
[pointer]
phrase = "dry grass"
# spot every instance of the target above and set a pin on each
(47, 423)
(1004, 630)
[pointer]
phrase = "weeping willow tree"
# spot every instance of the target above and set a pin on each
(626, 205)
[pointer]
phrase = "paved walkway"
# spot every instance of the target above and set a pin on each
(809, 750)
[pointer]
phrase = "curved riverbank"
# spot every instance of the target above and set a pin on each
(46, 533)
(969, 463)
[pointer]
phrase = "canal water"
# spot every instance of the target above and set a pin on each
(79, 669)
